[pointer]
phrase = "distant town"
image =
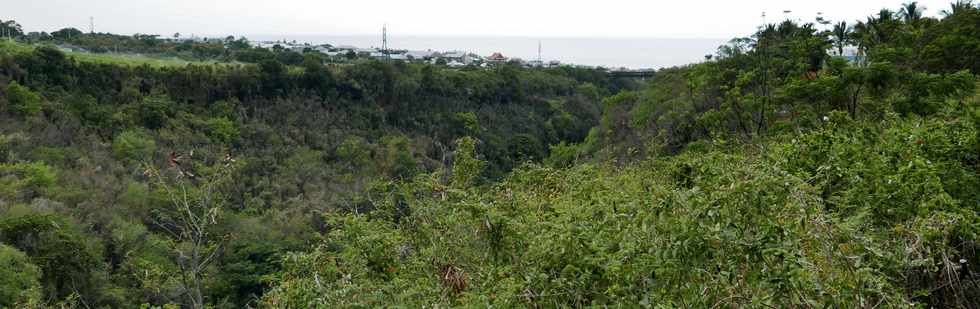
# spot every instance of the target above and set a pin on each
(341, 54)
(453, 58)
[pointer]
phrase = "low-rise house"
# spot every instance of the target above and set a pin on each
(451, 56)
(496, 58)
(322, 49)
(365, 52)
(267, 45)
(391, 56)
(420, 55)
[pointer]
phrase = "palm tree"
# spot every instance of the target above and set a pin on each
(958, 7)
(886, 16)
(911, 13)
(878, 29)
(860, 34)
(841, 36)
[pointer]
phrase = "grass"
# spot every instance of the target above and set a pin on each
(134, 60)
(13, 47)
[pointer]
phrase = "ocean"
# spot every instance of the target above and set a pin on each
(632, 53)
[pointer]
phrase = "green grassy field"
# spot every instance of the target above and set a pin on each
(12, 47)
(134, 60)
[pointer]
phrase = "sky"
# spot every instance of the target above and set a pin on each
(524, 18)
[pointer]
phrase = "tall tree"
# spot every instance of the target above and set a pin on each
(911, 13)
(10, 29)
(958, 7)
(841, 36)
(191, 219)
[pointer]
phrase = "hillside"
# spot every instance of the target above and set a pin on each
(847, 215)
(80, 137)
(773, 174)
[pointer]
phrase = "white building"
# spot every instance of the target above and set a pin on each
(420, 54)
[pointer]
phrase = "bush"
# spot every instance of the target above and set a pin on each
(354, 152)
(222, 130)
(19, 283)
(22, 101)
(850, 213)
(466, 166)
(25, 180)
(133, 146)
(396, 159)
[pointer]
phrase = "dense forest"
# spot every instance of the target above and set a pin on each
(773, 174)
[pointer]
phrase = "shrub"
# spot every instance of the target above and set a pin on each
(19, 285)
(25, 180)
(133, 146)
(22, 101)
(222, 130)
(466, 166)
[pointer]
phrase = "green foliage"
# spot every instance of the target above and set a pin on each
(847, 214)
(153, 113)
(772, 175)
(355, 152)
(22, 101)
(564, 155)
(222, 130)
(19, 284)
(466, 166)
(371, 255)
(395, 157)
(467, 123)
(309, 138)
(526, 147)
(24, 181)
(67, 263)
(134, 146)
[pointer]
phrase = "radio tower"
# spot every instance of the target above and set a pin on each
(384, 42)
(539, 51)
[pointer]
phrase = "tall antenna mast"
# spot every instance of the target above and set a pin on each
(384, 42)
(539, 51)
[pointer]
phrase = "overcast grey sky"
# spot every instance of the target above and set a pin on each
(571, 18)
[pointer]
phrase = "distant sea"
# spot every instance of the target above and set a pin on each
(632, 53)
